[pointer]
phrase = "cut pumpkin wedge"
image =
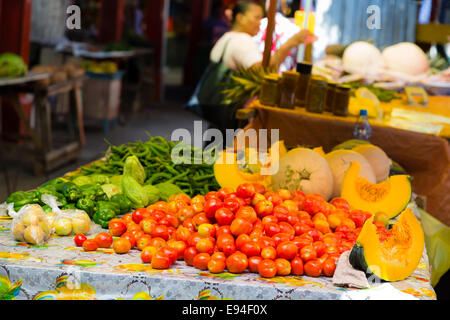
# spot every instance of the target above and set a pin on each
(395, 258)
(389, 197)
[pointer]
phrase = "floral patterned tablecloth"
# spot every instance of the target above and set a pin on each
(59, 270)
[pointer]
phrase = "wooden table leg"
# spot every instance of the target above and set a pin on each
(79, 108)
(43, 115)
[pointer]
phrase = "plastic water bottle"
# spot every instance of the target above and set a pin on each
(363, 130)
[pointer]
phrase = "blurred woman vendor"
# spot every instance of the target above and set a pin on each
(284, 30)
(238, 48)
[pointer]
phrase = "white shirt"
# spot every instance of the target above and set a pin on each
(240, 50)
(284, 30)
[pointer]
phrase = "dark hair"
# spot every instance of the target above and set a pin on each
(242, 7)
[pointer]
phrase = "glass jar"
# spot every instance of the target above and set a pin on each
(329, 100)
(341, 100)
(304, 70)
(269, 95)
(287, 89)
(317, 91)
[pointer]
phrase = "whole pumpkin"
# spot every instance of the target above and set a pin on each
(306, 170)
(339, 162)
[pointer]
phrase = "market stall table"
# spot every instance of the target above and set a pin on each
(60, 270)
(425, 156)
(47, 155)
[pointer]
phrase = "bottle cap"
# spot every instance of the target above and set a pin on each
(363, 112)
(304, 68)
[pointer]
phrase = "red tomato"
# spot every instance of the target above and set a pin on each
(283, 267)
(299, 198)
(281, 237)
(271, 229)
(183, 233)
(269, 253)
(148, 225)
(205, 245)
(315, 234)
(201, 261)
(259, 188)
(171, 253)
(138, 215)
(216, 265)
(257, 197)
(240, 226)
(211, 206)
(224, 216)
(185, 213)
(301, 228)
(237, 262)
(274, 198)
(245, 190)
(297, 266)
(319, 247)
(253, 263)
(228, 249)
(189, 255)
(329, 266)
(308, 253)
(143, 241)
(79, 239)
(117, 228)
(313, 203)
(247, 213)
(122, 245)
(224, 192)
(269, 218)
(223, 230)
(286, 228)
(313, 268)
(250, 249)
(267, 268)
(189, 223)
(302, 242)
(193, 239)
(104, 240)
(264, 208)
(160, 231)
(211, 195)
(287, 250)
(341, 204)
(281, 213)
(232, 204)
(266, 241)
(180, 247)
(293, 219)
(130, 238)
(206, 230)
(90, 245)
(218, 256)
(147, 254)
(199, 219)
(160, 260)
(158, 243)
(241, 240)
(224, 239)
(358, 217)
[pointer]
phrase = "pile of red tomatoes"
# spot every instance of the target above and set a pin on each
(270, 233)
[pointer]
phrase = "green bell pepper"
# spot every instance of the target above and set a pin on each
(106, 211)
(92, 191)
(47, 208)
(71, 191)
(57, 183)
(87, 205)
(69, 206)
(22, 198)
(123, 202)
